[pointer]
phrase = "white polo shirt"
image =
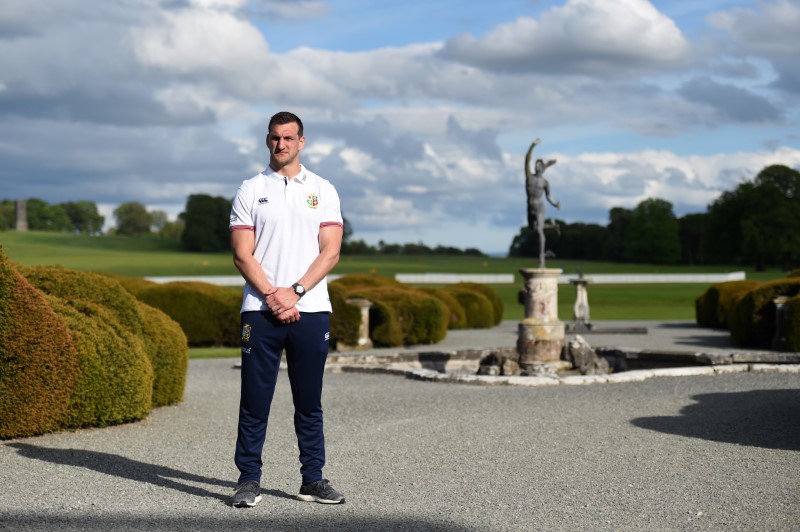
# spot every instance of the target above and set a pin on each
(286, 215)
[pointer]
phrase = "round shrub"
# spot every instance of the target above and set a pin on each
(168, 350)
(39, 363)
(345, 318)
(134, 285)
(94, 287)
(208, 314)
(384, 325)
(793, 330)
(116, 379)
(752, 319)
(490, 294)
(366, 280)
(422, 318)
(458, 318)
(477, 307)
(713, 306)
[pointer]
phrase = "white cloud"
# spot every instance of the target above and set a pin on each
(596, 37)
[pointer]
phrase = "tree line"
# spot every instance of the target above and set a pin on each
(201, 227)
(757, 223)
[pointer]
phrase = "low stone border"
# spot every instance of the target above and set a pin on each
(570, 380)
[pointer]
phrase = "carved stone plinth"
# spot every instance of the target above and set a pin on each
(541, 334)
(364, 341)
(580, 312)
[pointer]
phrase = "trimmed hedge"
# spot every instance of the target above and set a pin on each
(752, 319)
(793, 331)
(458, 318)
(423, 318)
(477, 307)
(493, 297)
(116, 380)
(97, 288)
(713, 306)
(168, 350)
(39, 363)
(366, 280)
(345, 318)
(208, 314)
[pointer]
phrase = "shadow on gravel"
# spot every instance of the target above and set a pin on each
(759, 418)
(119, 466)
(254, 521)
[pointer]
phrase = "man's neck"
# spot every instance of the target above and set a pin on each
(288, 171)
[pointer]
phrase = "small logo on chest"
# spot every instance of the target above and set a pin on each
(313, 201)
(262, 201)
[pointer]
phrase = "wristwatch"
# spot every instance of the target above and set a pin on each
(299, 289)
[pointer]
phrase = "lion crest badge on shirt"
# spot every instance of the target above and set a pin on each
(313, 201)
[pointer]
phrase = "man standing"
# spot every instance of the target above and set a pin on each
(286, 233)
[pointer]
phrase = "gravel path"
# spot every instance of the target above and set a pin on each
(678, 453)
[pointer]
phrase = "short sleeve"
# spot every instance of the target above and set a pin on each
(241, 209)
(332, 214)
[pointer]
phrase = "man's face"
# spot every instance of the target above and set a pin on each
(284, 145)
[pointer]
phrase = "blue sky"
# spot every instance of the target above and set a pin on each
(420, 113)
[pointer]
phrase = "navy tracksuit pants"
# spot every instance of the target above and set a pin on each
(306, 343)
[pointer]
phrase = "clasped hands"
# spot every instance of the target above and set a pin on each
(282, 301)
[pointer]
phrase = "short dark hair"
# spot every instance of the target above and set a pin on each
(285, 117)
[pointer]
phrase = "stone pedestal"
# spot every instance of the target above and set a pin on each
(364, 341)
(580, 312)
(541, 334)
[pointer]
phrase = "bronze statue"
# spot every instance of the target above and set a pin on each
(537, 186)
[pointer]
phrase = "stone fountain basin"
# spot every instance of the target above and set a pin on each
(461, 366)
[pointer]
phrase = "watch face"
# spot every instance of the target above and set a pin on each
(299, 289)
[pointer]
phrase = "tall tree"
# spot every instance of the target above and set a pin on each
(45, 217)
(132, 219)
(653, 233)
(758, 222)
(619, 222)
(771, 226)
(84, 216)
(692, 237)
(207, 223)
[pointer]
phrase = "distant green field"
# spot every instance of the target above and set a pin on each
(150, 256)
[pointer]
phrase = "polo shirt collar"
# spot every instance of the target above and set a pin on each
(302, 177)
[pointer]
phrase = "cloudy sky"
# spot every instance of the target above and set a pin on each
(420, 113)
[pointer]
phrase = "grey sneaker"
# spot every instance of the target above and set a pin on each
(247, 494)
(320, 491)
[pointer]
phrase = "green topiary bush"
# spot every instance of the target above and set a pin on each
(752, 319)
(208, 314)
(713, 306)
(477, 307)
(151, 339)
(366, 280)
(458, 318)
(116, 379)
(384, 327)
(345, 318)
(422, 318)
(39, 363)
(793, 331)
(94, 287)
(493, 297)
(168, 351)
